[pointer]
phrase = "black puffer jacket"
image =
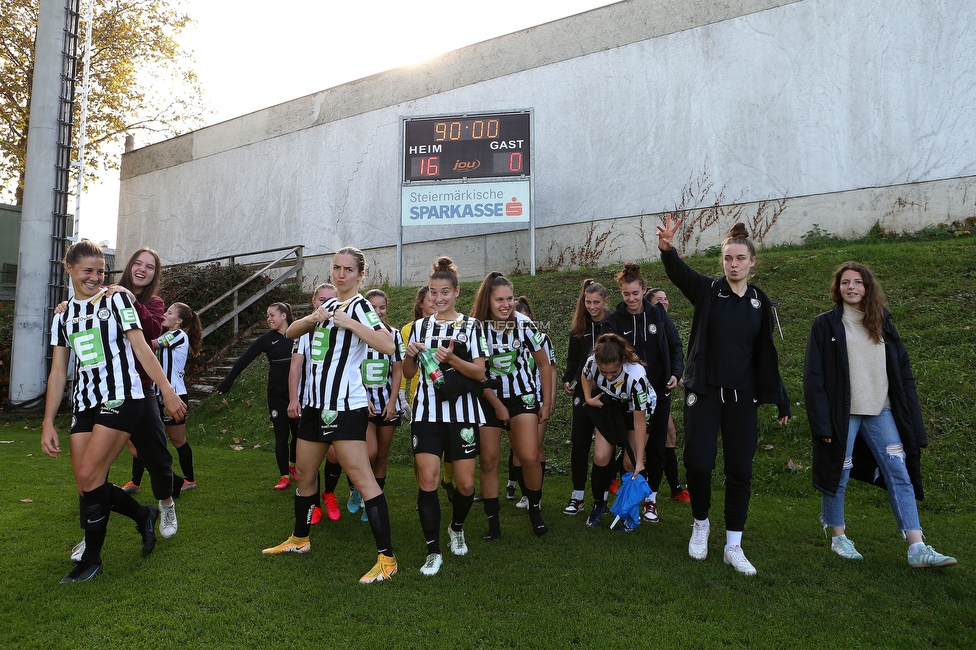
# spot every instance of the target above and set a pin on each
(826, 387)
(702, 290)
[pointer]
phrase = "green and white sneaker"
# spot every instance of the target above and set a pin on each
(845, 548)
(927, 557)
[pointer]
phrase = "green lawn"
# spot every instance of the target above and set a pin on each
(211, 587)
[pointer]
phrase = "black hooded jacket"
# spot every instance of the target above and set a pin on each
(654, 337)
(702, 291)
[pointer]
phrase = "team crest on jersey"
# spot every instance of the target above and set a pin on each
(104, 314)
(467, 435)
(755, 303)
(328, 417)
(516, 344)
(528, 400)
(461, 338)
(691, 399)
(652, 329)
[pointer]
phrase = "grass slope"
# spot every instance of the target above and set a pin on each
(210, 586)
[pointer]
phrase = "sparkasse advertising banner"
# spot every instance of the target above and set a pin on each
(465, 203)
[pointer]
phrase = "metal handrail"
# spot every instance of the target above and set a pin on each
(241, 306)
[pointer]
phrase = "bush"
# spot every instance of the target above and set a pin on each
(198, 286)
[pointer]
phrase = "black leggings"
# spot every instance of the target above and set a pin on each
(657, 437)
(581, 438)
(284, 427)
(736, 414)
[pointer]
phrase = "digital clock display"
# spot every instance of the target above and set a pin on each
(470, 146)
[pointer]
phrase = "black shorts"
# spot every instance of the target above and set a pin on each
(167, 418)
(380, 422)
(317, 425)
(515, 406)
(121, 415)
(453, 440)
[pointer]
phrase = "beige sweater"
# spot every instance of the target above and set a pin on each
(866, 361)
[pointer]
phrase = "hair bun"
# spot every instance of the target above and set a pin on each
(632, 267)
(738, 231)
(445, 264)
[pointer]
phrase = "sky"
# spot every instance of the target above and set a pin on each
(249, 57)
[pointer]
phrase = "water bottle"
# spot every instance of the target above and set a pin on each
(431, 368)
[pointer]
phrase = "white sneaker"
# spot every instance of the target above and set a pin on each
(523, 503)
(78, 551)
(458, 547)
(845, 548)
(432, 565)
(735, 557)
(167, 524)
(698, 546)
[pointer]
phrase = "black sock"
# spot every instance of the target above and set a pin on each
(535, 512)
(98, 507)
(671, 470)
(429, 509)
(379, 522)
(124, 504)
(185, 455)
(519, 478)
(303, 513)
(511, 464)
(462, 506)
(600, 477)
(491, 511)
(137, 471)
(332, 472)
(543, 464)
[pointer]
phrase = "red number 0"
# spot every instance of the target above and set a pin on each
(515, 162)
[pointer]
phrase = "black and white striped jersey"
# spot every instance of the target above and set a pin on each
(629, 387)
(332, 372)
(174, 348)
(376, 371)
(551, 355)
(509, 350)
(469, 344)
(104, 362)
(300, 346)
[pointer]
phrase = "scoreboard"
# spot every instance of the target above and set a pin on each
(489, 145)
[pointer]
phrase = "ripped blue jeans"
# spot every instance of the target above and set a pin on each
(881, 435)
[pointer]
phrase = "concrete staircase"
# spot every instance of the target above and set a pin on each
(204, 382)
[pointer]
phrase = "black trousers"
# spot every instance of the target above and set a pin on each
(657, 437)
(284, 427)
(149, 439)
(734, 413)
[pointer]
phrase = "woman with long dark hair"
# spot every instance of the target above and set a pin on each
(589, 322)
(864, 412)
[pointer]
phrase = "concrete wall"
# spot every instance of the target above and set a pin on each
(838, 107)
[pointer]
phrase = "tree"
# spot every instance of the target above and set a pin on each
(140, 81)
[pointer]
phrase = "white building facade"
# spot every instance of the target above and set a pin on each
(787, 115)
